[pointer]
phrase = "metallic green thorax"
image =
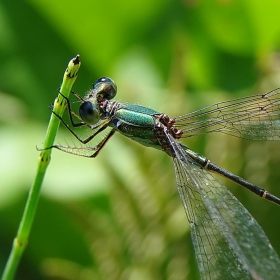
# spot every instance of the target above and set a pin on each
(136, 122)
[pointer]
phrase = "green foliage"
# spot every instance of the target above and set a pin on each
(119, 216)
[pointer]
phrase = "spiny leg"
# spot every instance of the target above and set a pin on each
(90, 152)
(102, 124)
(70, 112)
(77, 96)
(84, 141)
(101, 144)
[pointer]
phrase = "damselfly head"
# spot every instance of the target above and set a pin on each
(105, 87)
(89, 113)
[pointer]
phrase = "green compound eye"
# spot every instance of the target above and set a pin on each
(106, 87)
(89, 113)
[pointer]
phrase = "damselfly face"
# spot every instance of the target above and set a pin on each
(104, 89)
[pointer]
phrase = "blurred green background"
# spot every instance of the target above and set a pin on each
(119, 216)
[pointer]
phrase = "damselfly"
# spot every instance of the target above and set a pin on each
(228, 242)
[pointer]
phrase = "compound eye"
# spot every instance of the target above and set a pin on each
(106, 87)
(89, 113)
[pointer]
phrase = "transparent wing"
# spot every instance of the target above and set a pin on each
(255, 118)
(229, 243)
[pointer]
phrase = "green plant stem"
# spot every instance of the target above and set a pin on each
(20, 241)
